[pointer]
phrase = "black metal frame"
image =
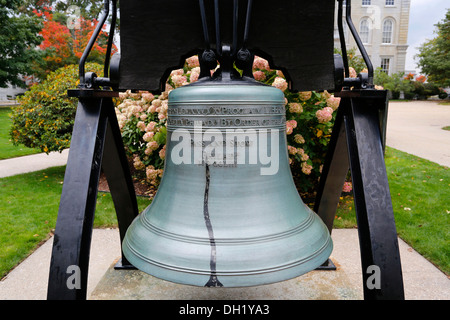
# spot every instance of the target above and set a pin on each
(96, 145)
(357, 143)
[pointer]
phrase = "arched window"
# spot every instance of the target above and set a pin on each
(364, 30)
(388, 28)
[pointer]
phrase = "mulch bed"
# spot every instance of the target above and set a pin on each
(140, 188)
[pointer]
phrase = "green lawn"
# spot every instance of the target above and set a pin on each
(7, 149)
(420, 198)
(28, 210)
(419, 189)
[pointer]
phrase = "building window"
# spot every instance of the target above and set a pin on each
(385, 65)
(366, 2)
(388, 27)
(390, 2)
(364, 30)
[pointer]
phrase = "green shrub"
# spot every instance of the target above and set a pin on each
(45, 117)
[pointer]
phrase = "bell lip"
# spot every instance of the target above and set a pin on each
(237, 279)
(234, 278)
(327, 246)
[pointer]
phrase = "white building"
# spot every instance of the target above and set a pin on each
(383, 28)
(10, 92)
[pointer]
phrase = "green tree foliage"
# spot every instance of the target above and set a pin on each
(395, 83)
(398, 82)
(434, 55)
(46, 114)
(89, 9)
(18, 40)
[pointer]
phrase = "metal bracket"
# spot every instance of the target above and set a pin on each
(327, 266)
(363, 80)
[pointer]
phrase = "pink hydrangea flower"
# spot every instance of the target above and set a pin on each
(162, 152)
(306, 168)
(260, 63)
(280, 83)
(333, 102)
(195, 73)
(136, 110)
(123, 95)
(148, 136)
(179, 80)
(141, 125)
(177, 72)
(299, 138)
(328, 109)
(323, 116)
(347, 187)
(193, 62)
(305, 95)
(290, 126)
(293, 123)
(138, 164)
(259, 75)
(295, 107)
(302, 154)
(292, 150)
(150, 126)
(153, 145)
(147, 97)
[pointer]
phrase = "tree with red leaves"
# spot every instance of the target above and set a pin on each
(63, 46)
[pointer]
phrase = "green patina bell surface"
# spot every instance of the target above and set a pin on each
(227, 212)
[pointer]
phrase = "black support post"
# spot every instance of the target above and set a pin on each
(96, 143)
(358, 143)
(373, 205)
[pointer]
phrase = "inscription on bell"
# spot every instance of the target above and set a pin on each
(228, 122)
(225, 110)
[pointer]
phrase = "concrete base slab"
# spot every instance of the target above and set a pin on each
(422, 281)
(136, 285)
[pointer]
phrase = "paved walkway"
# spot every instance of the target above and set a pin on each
(406, 121)
(28, 281)
(31, 163)
(416, 127)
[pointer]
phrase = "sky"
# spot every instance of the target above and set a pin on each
(424, 14)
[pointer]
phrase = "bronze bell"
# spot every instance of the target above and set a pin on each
(227, 212)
